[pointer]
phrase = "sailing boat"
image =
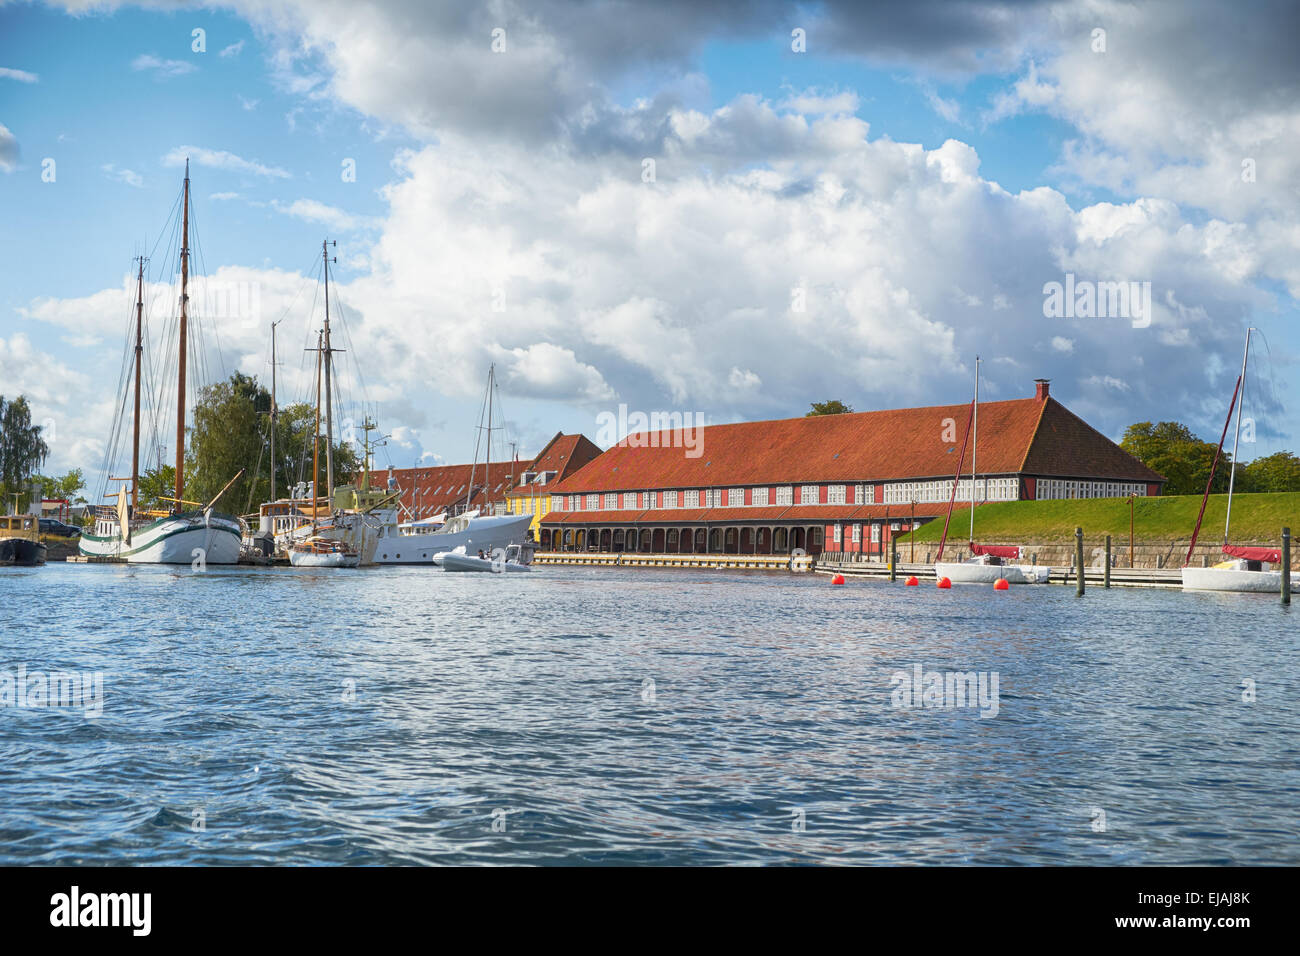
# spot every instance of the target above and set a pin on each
(357, 515)
(467, 533)
(177, 536)
(1248, 567)
(316, 550)
(985, 565)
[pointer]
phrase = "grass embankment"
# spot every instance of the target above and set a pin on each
(1255, 518)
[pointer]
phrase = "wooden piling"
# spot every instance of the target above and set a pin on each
(1286, 566)
(1106, 578)
(1078, 561)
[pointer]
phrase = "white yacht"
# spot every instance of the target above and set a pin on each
(469, 532)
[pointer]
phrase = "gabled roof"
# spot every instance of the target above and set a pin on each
(1065, 445)
(1029, 435)
(564, 455)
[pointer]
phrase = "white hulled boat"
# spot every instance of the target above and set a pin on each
(1247, 568)
(320, 552)
(191, 531)
(987, 563)
(424, 542)
(513, 558)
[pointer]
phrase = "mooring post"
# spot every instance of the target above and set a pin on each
(893, 562)
(1078, 561)
(1286, 566)
(1106, 583)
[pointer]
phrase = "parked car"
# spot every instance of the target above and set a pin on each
(55, 527)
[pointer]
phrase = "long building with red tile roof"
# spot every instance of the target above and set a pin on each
(847, 482)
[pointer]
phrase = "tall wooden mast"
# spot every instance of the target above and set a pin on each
(273, 410)
(183, 345)
(315, 442)
(329, 395)
(139, 353)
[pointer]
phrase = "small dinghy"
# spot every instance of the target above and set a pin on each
(320, 552)
(513, 558)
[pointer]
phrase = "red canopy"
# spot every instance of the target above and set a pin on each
(1271, 555)
(996, 550)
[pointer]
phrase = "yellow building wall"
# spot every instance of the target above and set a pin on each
(536, 505)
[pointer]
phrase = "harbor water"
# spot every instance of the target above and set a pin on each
(615, 716)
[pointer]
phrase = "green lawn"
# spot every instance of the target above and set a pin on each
(1255, 518)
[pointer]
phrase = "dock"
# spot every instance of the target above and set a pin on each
(1171, 578)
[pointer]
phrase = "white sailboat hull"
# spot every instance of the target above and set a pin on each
(177, 539)
(967, 572)
(353, 530)
(484, 534)
(1231, 579)
(301, 559)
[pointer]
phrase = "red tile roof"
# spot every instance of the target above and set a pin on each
(564, 455)
(893, 445)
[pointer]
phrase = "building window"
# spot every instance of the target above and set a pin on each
(760, 497)
(611, 501)
(557, 502)
(808, 495)
(736, 497)
(670, 499)
(835, 495)
(785, 495)
(593, 502)
(837, 534)
(857, 534)
(713, 498)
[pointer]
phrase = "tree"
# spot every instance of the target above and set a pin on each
(1276, 472)
(231, 431)
(22, 449)
(67, 487)
(157, 485)
(830, 407)
(1171, 449)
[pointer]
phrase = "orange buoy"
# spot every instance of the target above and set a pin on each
(944, 583)
(838, 579)
(912, 581)
(1001, 584)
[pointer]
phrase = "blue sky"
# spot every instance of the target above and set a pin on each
(451, 198)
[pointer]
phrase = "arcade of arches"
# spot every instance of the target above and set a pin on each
(689, 539)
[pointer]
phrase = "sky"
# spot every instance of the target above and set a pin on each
(733, 209)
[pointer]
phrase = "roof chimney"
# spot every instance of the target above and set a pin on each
(1041, 386)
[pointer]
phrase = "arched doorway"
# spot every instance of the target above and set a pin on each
(798, 539)
(701, 541)
(657, 541)
(731, 541)
(606, 539)
(618, 539)
(763, 541)
(780, 541)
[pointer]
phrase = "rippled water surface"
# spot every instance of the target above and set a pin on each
(409, 716)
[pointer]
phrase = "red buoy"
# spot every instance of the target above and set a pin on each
(1001, 584)
(912, 581)
(944, 583)
(838, 579)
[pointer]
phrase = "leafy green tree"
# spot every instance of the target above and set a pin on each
(68, 486)
(1173, 450)
(22, 449)
(832, 407)
(232, 431)
(157, 485)
(1277, 472)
